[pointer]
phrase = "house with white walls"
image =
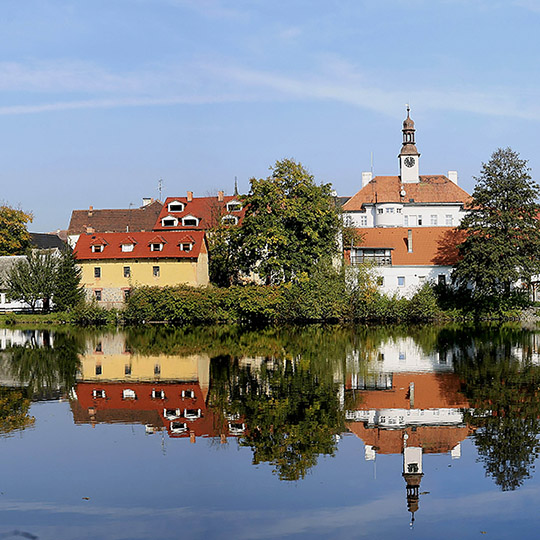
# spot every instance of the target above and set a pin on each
(406, 223)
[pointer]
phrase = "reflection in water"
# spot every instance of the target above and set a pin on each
(287, 394)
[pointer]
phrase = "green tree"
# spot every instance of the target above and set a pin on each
(291, 224)
(33, 279)
(68, 291)
(14, 237)
(502, 242)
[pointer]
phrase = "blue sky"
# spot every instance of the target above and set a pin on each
(99, 99)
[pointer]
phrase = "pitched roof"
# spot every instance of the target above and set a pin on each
(430, 189)
(141, 245)
(46, 241)
(430, 245)
(208, 210)
(114, 220)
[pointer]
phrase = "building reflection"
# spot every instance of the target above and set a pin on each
(163, 393)
(406, 401)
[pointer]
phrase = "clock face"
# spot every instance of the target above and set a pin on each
(409, 161)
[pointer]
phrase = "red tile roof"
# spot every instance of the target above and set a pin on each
(430, 189)
(431, 245)
(114, 220)
(141, 241)
(209, 210)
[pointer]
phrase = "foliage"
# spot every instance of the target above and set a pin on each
(222, 255)
(14, 237)
(291, 224)
(14, 408)
(33, 279)
(292, 415)
(90, 314)
(68, 291)
(502, 241)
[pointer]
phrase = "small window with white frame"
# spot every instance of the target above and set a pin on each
(234, 206)
(401, 281)
(169, 221)
(158, 394)
(229, 220)
(380, 210)
(363, 221)
(156, 247)
(175, 206)
(98, 394)
(406, 221)
(449, 220)
(128, 393)
(188, 394)
(434, 220)
(98, 248)
(186, 246)
(127, 248)
(190, 221)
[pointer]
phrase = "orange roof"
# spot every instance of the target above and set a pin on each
(431, 245)
(141, 241)
(430, 189)
(208, 210)
(432, 439)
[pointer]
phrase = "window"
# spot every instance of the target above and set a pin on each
(176, 206)
(363, 221)
(128, 393)
(171, 414)
(192, 414)
(421, 279)
(190, 221)
(390, 210)
(398, 210)
(434, 219)
(97, 294)
(401, 281)
(381, 257)
(402, 356)
(380, 210)
(97, 249)
(449, 219)
(97, 272)
(157, 369)
(186, 247)
(169, 222)
(99, 347)
(158, 394)
(127, 292)
(156, 247)
(127, 271)
(419, 220)
(178, 427)
(127, 248)
(406, 221)
(155, 271)
(127, 369)
(442, 279)
(98, 394)
(99, 370)
(234, 206)
(229, 220)
(190, 394)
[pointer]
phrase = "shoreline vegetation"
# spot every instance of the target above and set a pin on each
(325, 297)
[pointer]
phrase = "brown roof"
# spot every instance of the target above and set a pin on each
(430, 245)
(430, 189)
(114, 220)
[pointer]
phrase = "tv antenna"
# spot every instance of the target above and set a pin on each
(160, 187)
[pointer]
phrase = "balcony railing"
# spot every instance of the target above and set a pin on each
(378, 260)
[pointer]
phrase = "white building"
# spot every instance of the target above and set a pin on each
(407, 222)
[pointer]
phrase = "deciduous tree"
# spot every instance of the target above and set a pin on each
(291, 224)
(502, 241)
(14, 237)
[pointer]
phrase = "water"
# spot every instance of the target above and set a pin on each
(278, 433)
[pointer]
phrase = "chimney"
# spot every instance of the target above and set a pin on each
(409, 241)
(220, 196)
(90, 211)
(192, 437)
(147, 200)
(366, 178)
(452, 175)
(189, 196)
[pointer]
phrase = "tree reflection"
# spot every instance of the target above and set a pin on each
(14, 406)
(292, 413)
(501, 383)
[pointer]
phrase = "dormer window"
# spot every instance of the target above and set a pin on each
(234, 206)
(169, 221)
(127, 248)
(186, 247)
(229, 220)
(175, 206)
(190, 221)
(156, 247)
(98, 248)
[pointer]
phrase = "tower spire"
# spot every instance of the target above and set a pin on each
(409, 155)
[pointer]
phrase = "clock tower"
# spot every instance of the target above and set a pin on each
(409, 155)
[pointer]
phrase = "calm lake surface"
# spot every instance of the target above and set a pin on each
(225, 432)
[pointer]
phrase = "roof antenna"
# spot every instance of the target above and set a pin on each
(235, 186)
(371, 164)
(160, 187)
